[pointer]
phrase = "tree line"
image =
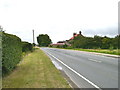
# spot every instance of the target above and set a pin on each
(96, 42)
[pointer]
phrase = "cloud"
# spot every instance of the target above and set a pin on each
(59, 18)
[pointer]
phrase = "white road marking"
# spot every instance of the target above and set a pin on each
(76, 72)
(57, 65)
(95, 60)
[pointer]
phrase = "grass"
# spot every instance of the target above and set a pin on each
(35, 71)
(105, 51)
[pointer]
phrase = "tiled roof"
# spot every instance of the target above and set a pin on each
(74, 37)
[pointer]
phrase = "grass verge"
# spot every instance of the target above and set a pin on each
(35, 71)
(105, 51)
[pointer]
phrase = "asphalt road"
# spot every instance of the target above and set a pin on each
(85, 69)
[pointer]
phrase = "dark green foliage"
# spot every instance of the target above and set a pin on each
(96, 42)
(0, 54)
(26, 47)
(11, 52)
(78, 42)
(60, 46)
(106, 42)
(33, 44)
(64, 46)
(82, 42)
(43, 40)
(116, 42)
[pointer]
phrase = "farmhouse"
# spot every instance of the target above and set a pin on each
(75, 35)
(61, 43)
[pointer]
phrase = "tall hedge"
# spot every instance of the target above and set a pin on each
(0, 54)
(11, 52)
(26, 46)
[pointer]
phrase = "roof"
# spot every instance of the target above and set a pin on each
(74, 36)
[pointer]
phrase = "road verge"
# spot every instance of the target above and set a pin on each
(35, 71)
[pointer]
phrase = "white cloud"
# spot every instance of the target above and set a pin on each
(58, 18)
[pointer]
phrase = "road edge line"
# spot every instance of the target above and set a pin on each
(76, 72)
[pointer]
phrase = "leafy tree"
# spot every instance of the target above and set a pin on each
(115, 42)
(44, 40)
(78, 42)
(89, 43)
(106, 42)
(97, 41)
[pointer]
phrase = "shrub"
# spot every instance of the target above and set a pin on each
(11, 52)
(26, 47)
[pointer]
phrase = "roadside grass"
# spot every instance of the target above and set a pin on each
(105, 51)
(35, 71)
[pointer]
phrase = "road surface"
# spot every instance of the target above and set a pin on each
(85, 69)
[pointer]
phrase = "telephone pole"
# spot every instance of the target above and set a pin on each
(33, 37)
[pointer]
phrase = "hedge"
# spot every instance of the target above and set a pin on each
(0, 54)
(11, 52)
(27, 47)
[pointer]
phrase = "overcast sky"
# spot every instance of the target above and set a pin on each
(59, 18)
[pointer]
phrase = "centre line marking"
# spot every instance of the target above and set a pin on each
(76, 72)
(95, 60)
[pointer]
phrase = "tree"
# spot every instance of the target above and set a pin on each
(97, 41)
(116, 41)
(44, 40)
(78, 42)
(106, 42)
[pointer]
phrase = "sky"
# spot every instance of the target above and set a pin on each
(59, 18)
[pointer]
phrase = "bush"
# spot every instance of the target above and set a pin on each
(26, 47)
(11, 52)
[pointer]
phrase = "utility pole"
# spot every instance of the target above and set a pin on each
(33, 37)
(1, 29)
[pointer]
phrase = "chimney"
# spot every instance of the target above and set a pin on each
(80, 33)
(74, 34)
